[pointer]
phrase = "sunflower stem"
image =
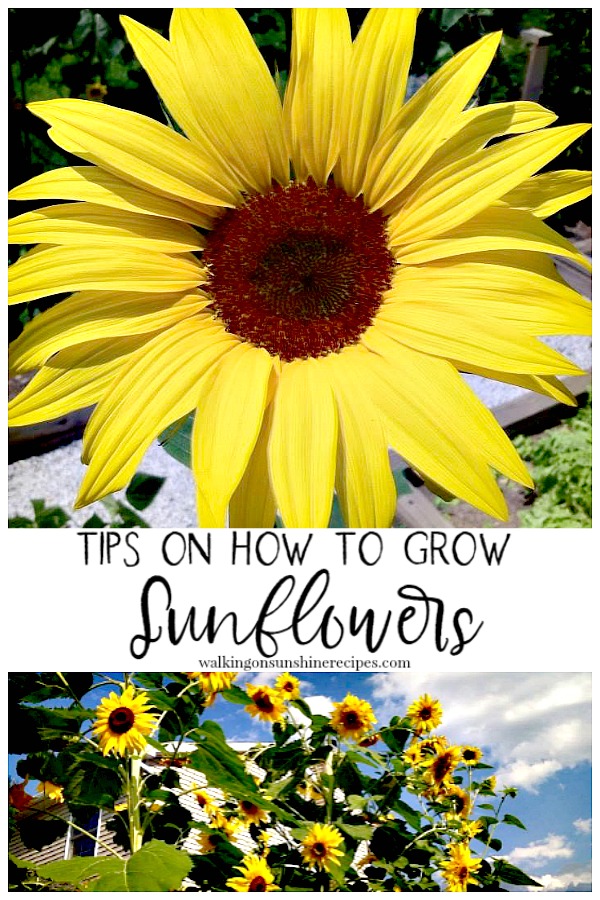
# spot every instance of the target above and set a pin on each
(133, 800)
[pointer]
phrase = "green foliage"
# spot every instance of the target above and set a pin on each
(561, 462)
(140, 494)
(391, 823)
(156, 867)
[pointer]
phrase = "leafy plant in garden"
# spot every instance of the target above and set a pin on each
(562, 469)
(329, 804)
(139, 495)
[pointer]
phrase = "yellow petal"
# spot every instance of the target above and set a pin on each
(471, 131)
(59, 270)
(497, 228)
(73, 379)
(474, 421)
(543, 195)
(302, 449)
(88, 223)
(422, 421)
(159, 385)
(364, 481)
(535, 304)
(321, 45)
(233, 95)
(231, 406)
(375, 89)
(541, 384)
(91, 315)
(443, 331)
(135, 148)
(415, 133)
(466, 187)
(253, 503)
(97, 186)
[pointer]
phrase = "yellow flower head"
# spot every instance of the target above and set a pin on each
(267, 704)
(206, 802)
(412, 756)
(311, 792)
(220, 821)
(51, 791)
(461, 802)
(320, 846)
(211, 682)
(471, 755)
(424, 714)
(208, 841)
(252, 813)
(285, 312)
(256, 876)
(432, 744)
(352, 718)
(489, 784)
(96, 91)
(439, 770)
(459, 869)
(123, 723)
(288, 686)
(472, 829)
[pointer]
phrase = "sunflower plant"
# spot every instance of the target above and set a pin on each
(327, 804)
(306, 277)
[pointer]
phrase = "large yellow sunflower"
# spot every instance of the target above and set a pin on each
(312, 321)
(352, 717)
(459, 869)
(424, 714)
(320, 846)
(123, 723)
(267, 704)
(256, 876)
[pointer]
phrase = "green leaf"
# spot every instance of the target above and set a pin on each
(177, 440)
(451, 16)
(143, 489)
(411, 816)
(222, 766)
(235, 694)
(512, 820)
(93, 781)
(510, 874)
(155, 868)
(359, 832)
(20, 522)
(403, 485)
(37, 833)
(94, 522)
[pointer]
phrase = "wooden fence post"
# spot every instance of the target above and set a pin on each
(538, 42)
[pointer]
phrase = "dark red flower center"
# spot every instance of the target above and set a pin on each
(319, 849)
(352, 720)
(121, 720)
(248, 807)
(463, 873)
(299, 271)
(258, 884)
(426, 713)
(263, 702)
(468, 755)
(442, 766)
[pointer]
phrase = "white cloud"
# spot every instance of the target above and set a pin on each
(576, 879)
(584, 826)
(537, 853)
(534, 724)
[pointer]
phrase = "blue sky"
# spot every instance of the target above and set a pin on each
(534, 728)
